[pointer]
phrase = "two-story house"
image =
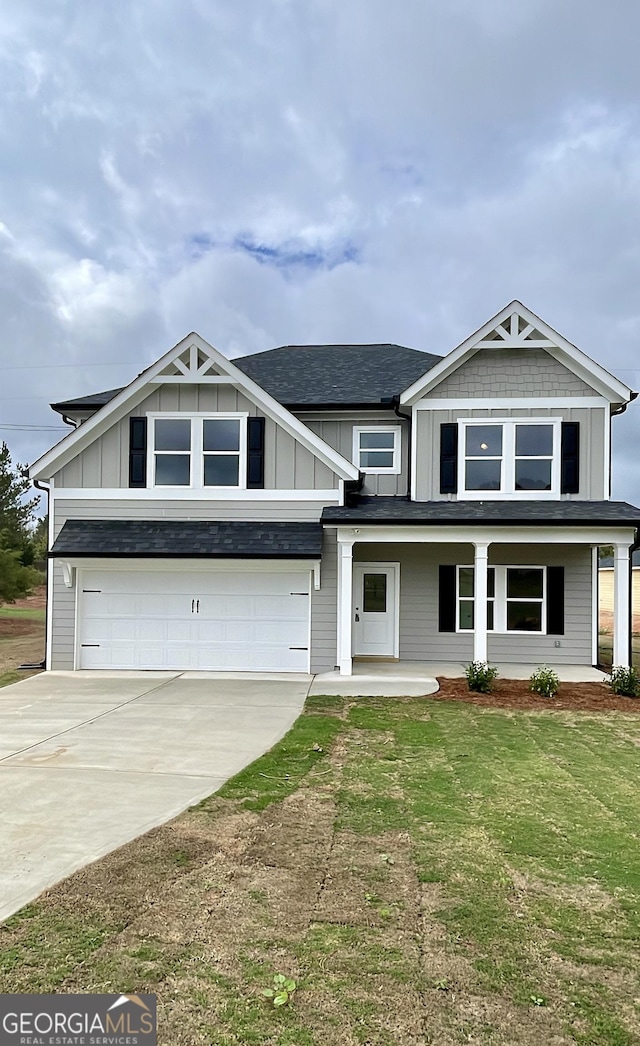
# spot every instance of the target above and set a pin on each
(298, 508)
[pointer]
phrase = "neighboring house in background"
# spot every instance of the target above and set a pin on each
(605, 575)
(297, 508)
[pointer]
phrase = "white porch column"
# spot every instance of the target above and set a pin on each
(621, 605)
(480, 600)
(345, 606)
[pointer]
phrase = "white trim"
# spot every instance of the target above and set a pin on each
(202, 379)
(508, 459)
(380, 565)
(480, 565)
(621, 602)
(595, 606)
(331, 496)
(562, 350)
(50, 580)
(196, 451)
(254, 566)
(469, 534)
(125, 401)
(607, 453)
(515, 402)
(394, 469)
(345, 606)
(414, 462)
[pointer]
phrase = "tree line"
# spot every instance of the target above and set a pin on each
(23, 536)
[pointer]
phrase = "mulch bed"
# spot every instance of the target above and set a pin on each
(515, 693)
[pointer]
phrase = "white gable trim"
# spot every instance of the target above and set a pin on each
(506, 322)
(192, 373)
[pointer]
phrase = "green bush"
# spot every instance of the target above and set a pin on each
(480, 676)
(545, 682)
(624, 681)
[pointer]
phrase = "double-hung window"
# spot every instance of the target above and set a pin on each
(376, 449)
(516, 599)
(197, 451)
(516, 458)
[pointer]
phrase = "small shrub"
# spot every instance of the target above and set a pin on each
(545, 682)
(480, 676)
(624, 681)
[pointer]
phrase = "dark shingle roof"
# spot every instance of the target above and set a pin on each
(95, 399)
(336, 375)
(169, 539)
(399, 510)
(316, 375)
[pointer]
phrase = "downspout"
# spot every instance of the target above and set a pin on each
(409, 419)
(42, 664)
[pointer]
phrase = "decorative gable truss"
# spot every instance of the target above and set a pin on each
(517, 328)
(192, 361)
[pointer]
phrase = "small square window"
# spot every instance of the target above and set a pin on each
(377, 449)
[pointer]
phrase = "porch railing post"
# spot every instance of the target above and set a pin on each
(621, 605)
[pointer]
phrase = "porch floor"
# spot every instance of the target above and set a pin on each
(416, 678)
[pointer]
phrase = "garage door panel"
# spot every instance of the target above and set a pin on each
(206, 620)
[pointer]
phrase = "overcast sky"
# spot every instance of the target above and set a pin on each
(278, 171)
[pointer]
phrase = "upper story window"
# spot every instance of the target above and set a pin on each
(514, 458)
(198, 451)
(376, 448)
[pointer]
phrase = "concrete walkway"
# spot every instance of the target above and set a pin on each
(90, 760)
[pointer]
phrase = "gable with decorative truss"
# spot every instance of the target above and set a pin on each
(516, 354)
(181, 379)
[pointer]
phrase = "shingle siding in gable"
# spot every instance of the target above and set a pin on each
(511, 372)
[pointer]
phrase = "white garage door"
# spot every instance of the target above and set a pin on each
(227, 620)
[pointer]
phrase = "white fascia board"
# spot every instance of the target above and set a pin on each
(80, 438)
(520, 535)
(204, 563)
(512, 402)
(332, 496)
(562, 350)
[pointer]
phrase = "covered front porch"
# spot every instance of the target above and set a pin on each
(420, 678)
(514, 594)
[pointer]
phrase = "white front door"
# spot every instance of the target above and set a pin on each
(375, 609)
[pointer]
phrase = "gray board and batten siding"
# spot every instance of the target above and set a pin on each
(592, 420)
(105, 463)
(338, 433)
(420, 639)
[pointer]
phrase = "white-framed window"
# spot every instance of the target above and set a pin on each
(516, 599)
(514, 458)
(376, 448)
(198, 450)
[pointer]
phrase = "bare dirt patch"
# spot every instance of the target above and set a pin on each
(36, 601)
(515, 693)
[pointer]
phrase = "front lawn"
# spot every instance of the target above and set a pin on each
(427, 871)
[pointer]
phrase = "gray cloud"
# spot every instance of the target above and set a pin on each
(271, 171)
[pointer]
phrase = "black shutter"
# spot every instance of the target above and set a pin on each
(449, 458)
(555, 601)
(570, 481)
(255, 453)
(137, 452)
(447, 599)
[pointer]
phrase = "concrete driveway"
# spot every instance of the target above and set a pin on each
(90, 760)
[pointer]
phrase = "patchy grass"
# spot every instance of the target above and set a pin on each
(26, 613)
(426, 871)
